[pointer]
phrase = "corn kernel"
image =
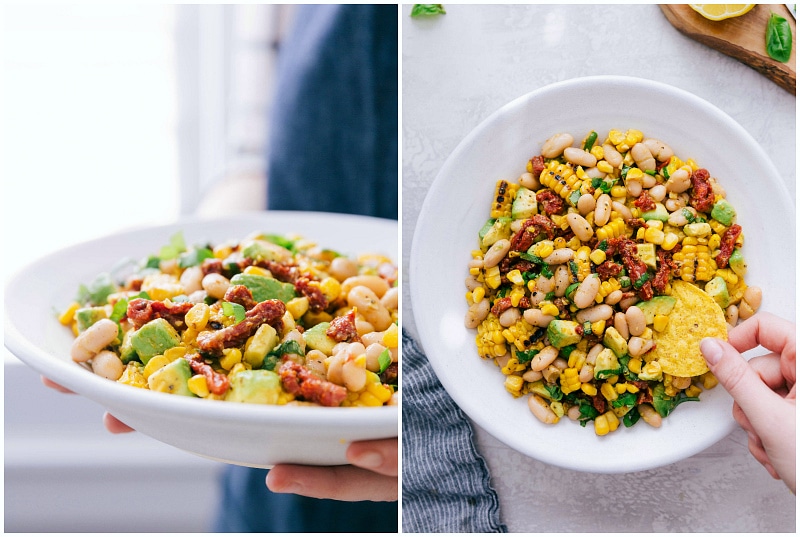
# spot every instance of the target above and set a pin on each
(589, 389)
(601, 427)
(474, 271)
(368, 399)
(222, 251)
(543, 248)
(513, 383)
(621, 387)
(230, 357)
(618, 191)
(548, 308)
(597, 152)
(635, 365)
(634, 174)
(560, 242)
(297, 306)
(154, 364)
(615, 136)
(257, 271)
(478, 293)
(605, 167)
(709, 380)
(390, 336)
(693, 391)
(608, 391)
(132, 376)
(653, 235)
(198, 385)
(69, 314)
(197, 316)
(660, 322)
(515, 277)
(640, 234)
(597, 257)
(670, 241)
(633, 137)
(331, 288)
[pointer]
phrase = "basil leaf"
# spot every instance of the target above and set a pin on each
(524, 357)
(779, 38)
(176, 246)
(194, 257)
(426, 10)
(232, 309)
(97, 291)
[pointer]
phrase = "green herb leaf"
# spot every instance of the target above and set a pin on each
(176, 246)
(626, 399)
(194, 257)
(384, 360)
(555, 392)
(524, 357)
(96, 293)
(631, 417)
(641, 281)
(779, 38)
(571, 289)
(287, 347)
(232, 309)
(664, 404)
(588, 412)
(590, 141)
(574, 197)
(119, 311)
(427, 10)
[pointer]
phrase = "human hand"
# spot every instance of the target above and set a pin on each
(112, 424)
(372, 475)
(763, 389)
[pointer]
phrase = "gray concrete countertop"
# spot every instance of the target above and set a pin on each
(459, 68)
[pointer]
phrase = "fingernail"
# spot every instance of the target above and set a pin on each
(369, 459)
(711, 349)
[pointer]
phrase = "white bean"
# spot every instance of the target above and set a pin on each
(586, 373)
(753, 296)
(372, 352)
(579, 157)
(378, 285)
(582, 229)
(658, 149)
(472, 283)
(600, 312)
(342, 268)
(591, 356)
(390, 298)
(496, 253)
(634, 188)
(368, 304)
(354, 375)
(586, 291)
(679, 181)
(648, 181)
(612, 156)
(561, 276)
(556, 145)
(535, 317)
(649, 415)
(634, 316)
(644, 159)
(529, 181)
(732, 315)
(560, 255)
(658, 193)
(602, 211)
(509, 317)
(93, 340)
(613, 297)
(594, 173)
(216, 285)
(745, 310)
(315, 361)
(621, 324)
(108, 365)
(192, 280)
(531, 376)
(586, 204)
(623, 211)
(673, 204)
(541, 409)
(677, 219)
(545, 357)
(476, 313)
(545, 284)
(551, 374)
(638, 346)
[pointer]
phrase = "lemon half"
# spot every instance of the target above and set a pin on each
(718, 12)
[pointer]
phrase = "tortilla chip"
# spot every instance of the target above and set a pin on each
(695, 316)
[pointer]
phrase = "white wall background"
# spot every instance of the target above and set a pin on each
(116, 117)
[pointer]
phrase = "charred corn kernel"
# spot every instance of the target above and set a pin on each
(560, 178)
(390, 336)
(162, 286)
(708, 380)
(634, 174)
(69, 314)
(635, 365)
(660, 322)
(492, 277)
(513, 366)
(589, 389)
(560, 242)
(613, 229)
(504, 193)
(197, 317)
(154, 364)
(478, 293)
(298, 306)
(517, 293)
(618, 191)
(598, 327)
(133, 376)
(519, 334)
(569, 380)
(608, 391)
(230, 357)
(486, 339)
(597, 257)
(515, 277)
(654, 236)
(513, 384)
(198, 385)
(543, 248)
(257, 271)
(604, 166)
(693, 391)
(694, 261)
(548, 308)
(670, 241)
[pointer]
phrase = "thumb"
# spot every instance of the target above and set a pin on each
(738, 378)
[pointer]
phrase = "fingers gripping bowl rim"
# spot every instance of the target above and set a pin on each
(263, 435)
(497, 149)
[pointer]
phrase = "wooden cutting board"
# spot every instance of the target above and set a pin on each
(742, 38)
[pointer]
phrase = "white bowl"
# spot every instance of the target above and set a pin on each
(458, 204)
(236, 433)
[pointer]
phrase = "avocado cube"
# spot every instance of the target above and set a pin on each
(658, 305)
(126, 350)
(501, 229)
(265, 251)
(614, 341)
(264, 288)
(172, 378)
(258, 386)
(606, 364)
(86, 317)
(718, 290)
(737, 263)
(659, 213)
(562, 333)
(264, 340)
(723, 212)
(524, 204)
(316, 338)
(153, 339)
(647, 253)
